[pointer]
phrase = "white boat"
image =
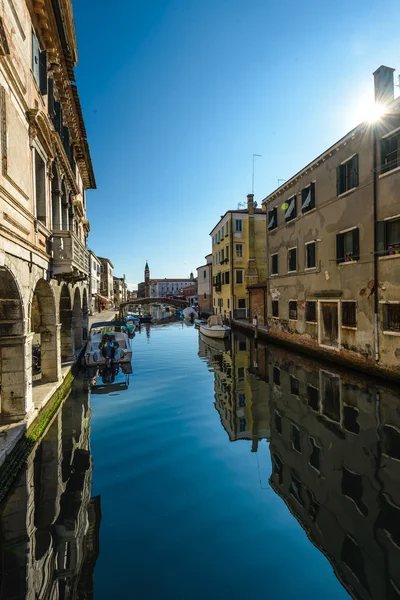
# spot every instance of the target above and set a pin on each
(198, 322)
(189, 313)
(215, 328)
(107, 343)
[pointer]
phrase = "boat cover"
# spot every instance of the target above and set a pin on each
(108, 324)
(214, 320)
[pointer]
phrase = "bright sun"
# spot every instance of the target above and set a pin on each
(367, 110)
(374, 112)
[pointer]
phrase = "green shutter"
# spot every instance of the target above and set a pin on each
(356, 244)
(43, 72)
(355, 171)
(380, 238)
(340, 248)
(35, 58)
(312, 205)
(338, 180)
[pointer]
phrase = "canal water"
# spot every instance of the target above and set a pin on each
(212, 470)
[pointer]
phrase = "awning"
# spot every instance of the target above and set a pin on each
(103, 298)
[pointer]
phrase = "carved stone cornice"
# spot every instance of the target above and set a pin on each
(62, 57)
(39, 126)
(64, 165)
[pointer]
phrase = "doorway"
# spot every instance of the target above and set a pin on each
(329, 324)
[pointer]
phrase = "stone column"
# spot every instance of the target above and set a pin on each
(16, 377)
(56, 209)
(50, 342)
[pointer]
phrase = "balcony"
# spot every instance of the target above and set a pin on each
(70, 256)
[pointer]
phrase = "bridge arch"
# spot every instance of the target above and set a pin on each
(143, 301)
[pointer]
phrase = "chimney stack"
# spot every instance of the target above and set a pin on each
(384, 85)
(250, 203)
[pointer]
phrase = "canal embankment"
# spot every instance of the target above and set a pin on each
(18, 439)
(342, 357)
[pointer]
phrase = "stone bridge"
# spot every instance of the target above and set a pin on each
(136, 301)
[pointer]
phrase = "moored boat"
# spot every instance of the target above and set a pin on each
(198, 322)
(146, 318)
(215, 328)
(108, 343)
(189, 313)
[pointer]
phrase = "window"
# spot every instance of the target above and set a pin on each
(349, 314)
(312, 397)
(242, 303)
(240, 373)
(296, 441)
(218, 236)
(242, 400)
(239, 250)
(308, 198)
(223, 232)
(275, 308)
(274, 265)
(242, 346)
(205, 296)
(239, 277)
(227, 278)
(227, 228)
(391, 317)
(291, 210)
(272, 219)
(388, 237)
(40, 187)
(223, 279)
(390, 152)
(222, 256)
(347, 175)
(39, 65)
(350, 419)
(227, 253)
(293, 310)
(228, 282)
(292, 259)
(277, 467)
(242, 425)
(348, 246)
(311, 312)
(204, 274)
(295, 489)
(315, 453)
(238, 225)
(278, 421)
(276, 376)
(310, 255)
(294, 386)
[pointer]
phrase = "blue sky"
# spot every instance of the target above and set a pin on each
(178, 95)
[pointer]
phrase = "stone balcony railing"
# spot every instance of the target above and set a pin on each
(70, 257)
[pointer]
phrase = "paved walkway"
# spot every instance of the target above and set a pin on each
(106, 315)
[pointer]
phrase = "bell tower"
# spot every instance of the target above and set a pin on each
(147, 280)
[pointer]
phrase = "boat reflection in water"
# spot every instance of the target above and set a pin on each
(103, 379)
(49, 523)
(335, 452)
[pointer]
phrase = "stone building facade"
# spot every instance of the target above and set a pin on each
(94, 283)
(45, 172)
(106, 279)
(204, 285)
(333, 245)
(239, 257)
(160, 288)
(120, 290)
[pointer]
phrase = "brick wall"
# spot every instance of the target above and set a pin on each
(257, 303)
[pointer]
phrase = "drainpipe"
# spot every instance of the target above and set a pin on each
(376, 262)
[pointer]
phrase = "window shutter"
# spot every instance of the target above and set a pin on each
(51, 98)
(356, 244)
(43, 72)
(355, 171)
(340, 247)
(380, 238)
(338, 177)
(35, 58)
(312, 205)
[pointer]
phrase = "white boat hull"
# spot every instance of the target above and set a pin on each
(217, 331)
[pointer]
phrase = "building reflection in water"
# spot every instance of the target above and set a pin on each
(335, 452)
(49, 523)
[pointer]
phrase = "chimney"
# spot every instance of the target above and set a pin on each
(250, 203)
(384, 85)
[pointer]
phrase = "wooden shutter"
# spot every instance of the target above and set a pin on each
(354, 175)
(340, 247)
(356, 244)
(380, 238)
(35, 58)
(338, 180)
(312, 205)
(43, 72)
